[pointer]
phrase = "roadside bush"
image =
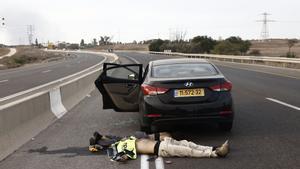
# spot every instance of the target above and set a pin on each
(202, 44)
(255, 52)
(155, 45)
(226, 48)
(232, 46)
(290, 55)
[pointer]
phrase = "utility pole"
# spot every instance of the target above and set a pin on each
(2, 21)
(30, 33)
(265, 29)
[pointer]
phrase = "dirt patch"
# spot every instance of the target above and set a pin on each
(27, 55)
(275, 47)
(4, 51)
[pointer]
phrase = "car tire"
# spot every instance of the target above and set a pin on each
(225, 126)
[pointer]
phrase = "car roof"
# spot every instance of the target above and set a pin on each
(176, 61)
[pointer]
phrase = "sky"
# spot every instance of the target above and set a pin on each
(129, 20)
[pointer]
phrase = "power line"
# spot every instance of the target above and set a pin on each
(265, 29)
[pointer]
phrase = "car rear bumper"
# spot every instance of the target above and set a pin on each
(166, 114)
(161, 121)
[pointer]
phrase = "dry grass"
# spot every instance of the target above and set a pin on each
(28, 55)
(4, 51)
(275, 47)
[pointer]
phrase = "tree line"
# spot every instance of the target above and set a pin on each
(103, 40)
(203, 44)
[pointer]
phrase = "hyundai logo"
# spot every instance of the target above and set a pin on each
(188, 84)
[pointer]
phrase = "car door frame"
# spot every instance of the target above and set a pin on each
(109, 98)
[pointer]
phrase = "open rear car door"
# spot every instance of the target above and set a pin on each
(120, 86)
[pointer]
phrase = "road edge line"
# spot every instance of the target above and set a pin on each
(283, 103)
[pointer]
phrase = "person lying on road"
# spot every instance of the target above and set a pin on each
(160, 144)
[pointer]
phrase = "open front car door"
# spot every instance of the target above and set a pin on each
(120, 86)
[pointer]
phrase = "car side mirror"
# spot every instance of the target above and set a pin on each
(132, 77)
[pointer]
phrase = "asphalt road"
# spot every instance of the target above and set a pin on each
(23, 78)
(265, 132)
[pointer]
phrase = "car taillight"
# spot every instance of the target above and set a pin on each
(151, 90)
(225, 86)
(152, 115)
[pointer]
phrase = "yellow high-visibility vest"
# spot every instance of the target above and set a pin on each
(127, 146)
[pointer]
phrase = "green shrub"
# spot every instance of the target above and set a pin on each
(255, 52)
(202, 44)
(226, 48)
(290, 55)
(155, 45)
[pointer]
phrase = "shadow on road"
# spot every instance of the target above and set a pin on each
(66, 152)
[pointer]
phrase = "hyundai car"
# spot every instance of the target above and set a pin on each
(168, 92)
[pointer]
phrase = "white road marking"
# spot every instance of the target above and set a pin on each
(134, 60)
(253, 70)
(144, 161)
(159, 163)
(46, 71)
(2, 81)
(283, 103)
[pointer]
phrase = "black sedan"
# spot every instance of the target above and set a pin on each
(169, 92)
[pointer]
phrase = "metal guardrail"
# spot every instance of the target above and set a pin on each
(262, 60)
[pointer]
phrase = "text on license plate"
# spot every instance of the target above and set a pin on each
(189, 92)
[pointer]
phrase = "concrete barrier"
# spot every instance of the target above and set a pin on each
(24, 117)
(22, 120)
(261, 60)
(82, 88)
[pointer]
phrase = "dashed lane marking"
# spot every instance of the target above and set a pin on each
(3, 81)
(144, 161)
(46, 71)
(159, 163)
(283, 103)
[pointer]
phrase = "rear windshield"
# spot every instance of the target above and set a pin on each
(183, 70)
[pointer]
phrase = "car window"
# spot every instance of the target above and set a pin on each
(183, 70)
(128, 72)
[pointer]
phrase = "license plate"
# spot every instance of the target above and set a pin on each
(189, 92)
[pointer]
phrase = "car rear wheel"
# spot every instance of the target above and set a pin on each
(225, 126)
